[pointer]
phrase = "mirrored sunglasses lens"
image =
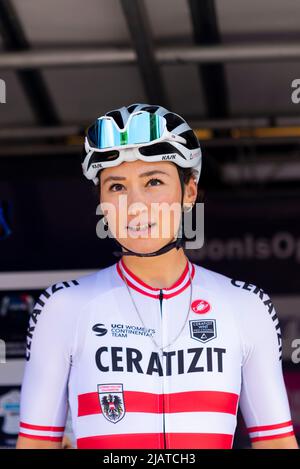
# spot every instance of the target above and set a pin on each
(145, 128)
(103, 134)
(142, 128)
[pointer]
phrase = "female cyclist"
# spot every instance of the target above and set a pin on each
(153, 351)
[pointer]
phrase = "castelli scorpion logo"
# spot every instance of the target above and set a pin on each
(200, 306)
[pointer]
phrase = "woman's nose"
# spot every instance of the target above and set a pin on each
(134, 196)
(136, 201)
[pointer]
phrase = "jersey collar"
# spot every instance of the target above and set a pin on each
(139, 285)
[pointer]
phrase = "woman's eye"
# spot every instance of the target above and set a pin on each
(118, 187)
(155, 180)
(115, 186)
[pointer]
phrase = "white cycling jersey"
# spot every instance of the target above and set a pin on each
(88, 347)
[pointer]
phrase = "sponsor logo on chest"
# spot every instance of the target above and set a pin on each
(203, 330)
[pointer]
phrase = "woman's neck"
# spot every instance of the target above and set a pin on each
(160, 271)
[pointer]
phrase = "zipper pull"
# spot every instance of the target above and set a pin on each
(161, 295)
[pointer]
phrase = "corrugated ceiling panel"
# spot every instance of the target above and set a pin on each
(72, 21)
(83, 94)
(184, 89)
(169, 19)
(16, 110)
(258, 88)
(256, 16)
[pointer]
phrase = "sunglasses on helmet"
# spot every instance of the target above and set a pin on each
(142, 128)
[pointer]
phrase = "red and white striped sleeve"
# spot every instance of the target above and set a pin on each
(40, 432)
(269, 432)
(44, 387)
(263, 401)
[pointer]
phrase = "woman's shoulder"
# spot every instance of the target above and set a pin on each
(249, 303)
(233, 286)
(211, 279)
(58, 308)
(74, 292)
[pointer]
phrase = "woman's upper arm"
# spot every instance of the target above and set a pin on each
(264, 401)
(44, 387)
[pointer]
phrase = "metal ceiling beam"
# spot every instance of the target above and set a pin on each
(262, 170)
(34, 86)
(164, 55)
(52, 58)
(249, 123)
(242, 53)
(212, 75)
(40, 149)
(139, 26)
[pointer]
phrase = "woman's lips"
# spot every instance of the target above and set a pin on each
(141, 228)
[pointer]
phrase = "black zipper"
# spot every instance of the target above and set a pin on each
(161, 295)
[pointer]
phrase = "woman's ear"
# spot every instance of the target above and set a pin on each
(190, 193)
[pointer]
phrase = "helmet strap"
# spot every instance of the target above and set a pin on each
(178, 243)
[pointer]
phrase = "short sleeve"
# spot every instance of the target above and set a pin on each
(263, 401)
(44, 388)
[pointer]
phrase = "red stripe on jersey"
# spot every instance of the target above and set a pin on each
(271, 437)
(134, 286)
(190, 401)
(170, 295)
(181, 278)
(42, 428)
(269, 427)
(156, 295)
(156, 440)
(144, 284)
(35, 437)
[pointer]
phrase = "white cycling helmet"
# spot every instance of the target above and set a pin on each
(140, 131)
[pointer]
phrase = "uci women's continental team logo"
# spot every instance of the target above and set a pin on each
(111, 400)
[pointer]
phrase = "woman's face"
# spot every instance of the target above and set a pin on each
(136, 194)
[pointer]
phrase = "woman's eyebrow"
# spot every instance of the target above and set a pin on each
(147, 173)
(114, 178)
(154, 171)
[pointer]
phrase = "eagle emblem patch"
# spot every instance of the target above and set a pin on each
(111, 400)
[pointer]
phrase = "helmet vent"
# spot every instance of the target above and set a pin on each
(131, 108)
(117, 117)
(191, 139)
(173, 121)
(150, 109)
(159, 149)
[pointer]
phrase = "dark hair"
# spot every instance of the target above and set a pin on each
(184, 173)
